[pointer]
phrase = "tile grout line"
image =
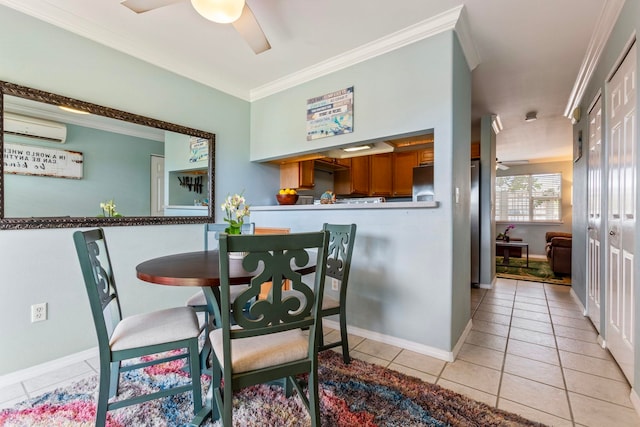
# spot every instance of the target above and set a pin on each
(564, 379)
(506, 346)
(523, 404)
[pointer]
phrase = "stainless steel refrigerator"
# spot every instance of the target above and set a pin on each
(474, 207)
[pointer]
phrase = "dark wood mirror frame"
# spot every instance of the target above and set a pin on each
(72, 222)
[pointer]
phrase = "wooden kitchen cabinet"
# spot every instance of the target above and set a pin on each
(353, 181)
(475, 150)
(403, 164)
(298, 175)
(425, 156)
(381, 167)
(328, 163)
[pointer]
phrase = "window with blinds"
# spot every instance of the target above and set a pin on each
(529, 198)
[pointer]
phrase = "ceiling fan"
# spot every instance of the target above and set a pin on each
(235, 12)
(504, 165)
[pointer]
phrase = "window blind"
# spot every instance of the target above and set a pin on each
(529, 198)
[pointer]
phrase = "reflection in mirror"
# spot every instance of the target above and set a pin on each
(62, 168)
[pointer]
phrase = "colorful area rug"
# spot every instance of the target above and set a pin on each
(538, 271)
(359, 394)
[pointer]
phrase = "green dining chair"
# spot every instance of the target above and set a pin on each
(276, 337)
(197, 301)
(341, 241)
(121, 339)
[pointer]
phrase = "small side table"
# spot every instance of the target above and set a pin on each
(506, 245)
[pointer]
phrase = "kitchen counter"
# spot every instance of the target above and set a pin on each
(342, 206)
(401, 271)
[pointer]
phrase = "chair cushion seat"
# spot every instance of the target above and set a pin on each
(262, 351)
(327, 301)
(162, 326)
(199, 299)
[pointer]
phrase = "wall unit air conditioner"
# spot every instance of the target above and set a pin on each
(31, 127)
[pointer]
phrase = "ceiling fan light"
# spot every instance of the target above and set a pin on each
(220, 11)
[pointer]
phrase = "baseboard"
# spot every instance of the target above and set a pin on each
(461, 340)
(635, 400)
(447, 356)
(577, 301)
(45, 368)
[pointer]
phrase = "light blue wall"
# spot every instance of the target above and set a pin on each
(487, 195)
(41, 265)
(395, 93)
(460, 166)
(114, 166)
(408, 90)
(627, 26)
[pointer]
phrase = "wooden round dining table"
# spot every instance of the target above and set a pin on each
(199, 269)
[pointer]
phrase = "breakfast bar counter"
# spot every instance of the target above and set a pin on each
(340, 206)
(400, 286)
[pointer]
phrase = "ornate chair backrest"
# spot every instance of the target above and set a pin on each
(99, 281)
(341, 240)
(217, 228)
(273, 258)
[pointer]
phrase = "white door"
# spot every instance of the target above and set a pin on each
(157, 186)
(621, 216)
(594, 211)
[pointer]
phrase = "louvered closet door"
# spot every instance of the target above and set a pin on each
(594, 208)
(621, 215)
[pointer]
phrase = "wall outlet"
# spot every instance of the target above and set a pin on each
(39, 312)
(335, 285)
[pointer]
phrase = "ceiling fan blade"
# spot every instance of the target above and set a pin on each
(501, 166)
(516, 162)
(141, 6)
(250, 30)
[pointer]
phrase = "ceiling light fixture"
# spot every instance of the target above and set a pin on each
(220, 11)
(531, 116)
(496, 124)
(357, 148)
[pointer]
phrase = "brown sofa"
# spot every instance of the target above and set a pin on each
(559, 252)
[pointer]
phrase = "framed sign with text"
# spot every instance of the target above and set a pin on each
(330, 114)
(42, 161)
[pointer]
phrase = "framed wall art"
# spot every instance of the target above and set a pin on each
(330, 114)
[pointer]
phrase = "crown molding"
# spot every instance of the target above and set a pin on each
(466, 41)
(453, 19)
(604, 26)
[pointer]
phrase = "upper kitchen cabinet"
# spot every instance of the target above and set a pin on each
(298, 175)
(331, 164)
(403, 164)
(353, 181)
(381, 169)
(425, 156)
(475, 150)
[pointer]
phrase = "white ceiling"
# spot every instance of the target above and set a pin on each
(530, 52)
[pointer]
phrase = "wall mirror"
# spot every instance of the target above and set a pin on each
(64, 160)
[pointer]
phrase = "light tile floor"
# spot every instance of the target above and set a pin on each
(531, 351)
